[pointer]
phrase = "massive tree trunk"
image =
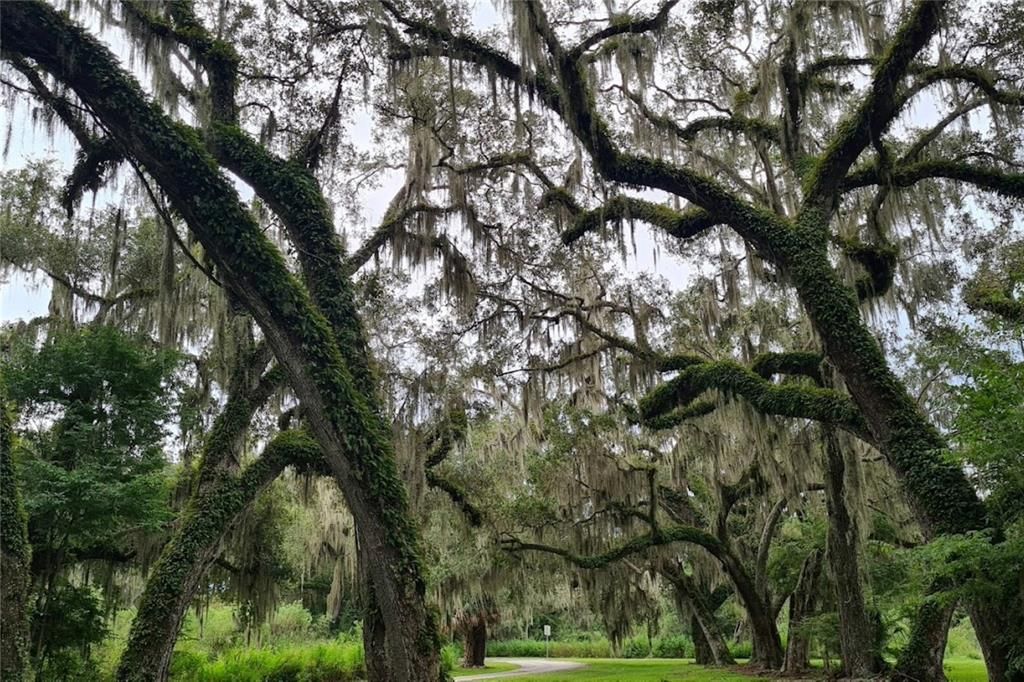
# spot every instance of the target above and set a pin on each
(996, 639)
(859, 636)
(708, 639)
(15, 562)
(352, 436)
(474, 640)
(939, 491)
(801, 606)
(921, 658)
(768, 651)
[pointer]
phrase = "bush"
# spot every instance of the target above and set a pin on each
(741, 649)
(636, 648)
(290, 621)
(516, 648)
(451, 655)
(678, 646)
(331, 662)
(531, 648)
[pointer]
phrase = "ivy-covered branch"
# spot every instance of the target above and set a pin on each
(680, 224)
(697, 376)
(1002, 182)
(870, 120)
(878, 261)
(803, 363)
(98, 156)
(356, 444)
(178, 574)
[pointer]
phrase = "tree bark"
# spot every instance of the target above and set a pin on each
(859, 636)
(708, 639)
(178, 575)
(997, 638)
(801, 606)
(767, 644)
(474, 641)
(378, 668)
(354, 440)
(701, 647)
(15, 562)
(921, 658)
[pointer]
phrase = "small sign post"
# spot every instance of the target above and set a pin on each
(547, 641)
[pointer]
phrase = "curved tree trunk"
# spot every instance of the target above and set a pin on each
(178, 575)
(997, 636)
(708, 639)
(921, 658)
(939, 492)
(768, 651)
(801, 606)
(325, 376)
(15, 562)
(701, 648)
(859, 636)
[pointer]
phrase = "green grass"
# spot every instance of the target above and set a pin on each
(492, 667)
(959, 669)
(653, 670)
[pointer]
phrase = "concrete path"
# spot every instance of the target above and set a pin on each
(527, 666)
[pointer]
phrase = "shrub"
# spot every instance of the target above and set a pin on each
(451, 654)
(531, 648)
(678, 646)
(330, 662)
(741, 649)
(636, 647)
(291, 621)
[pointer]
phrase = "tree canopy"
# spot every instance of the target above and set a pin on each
(469, 313)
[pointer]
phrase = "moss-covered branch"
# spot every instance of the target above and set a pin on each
(178, 575)
(756, 128)
(783, 400)
(457, 495)
(803, 363)
(991, 297)
(666, 536)
(682, 225)
(1002, 182)
(878, 261)
(983, 80)
(625, 24)
(566, 92)
(877, 110)
(97, 156)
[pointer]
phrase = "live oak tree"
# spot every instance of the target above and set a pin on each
(818, 168)
(312, 329)
(782, 130)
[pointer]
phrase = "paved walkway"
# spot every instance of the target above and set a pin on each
(527, 666)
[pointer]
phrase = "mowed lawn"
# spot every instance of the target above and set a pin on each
(614, 670)
(491, 667)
